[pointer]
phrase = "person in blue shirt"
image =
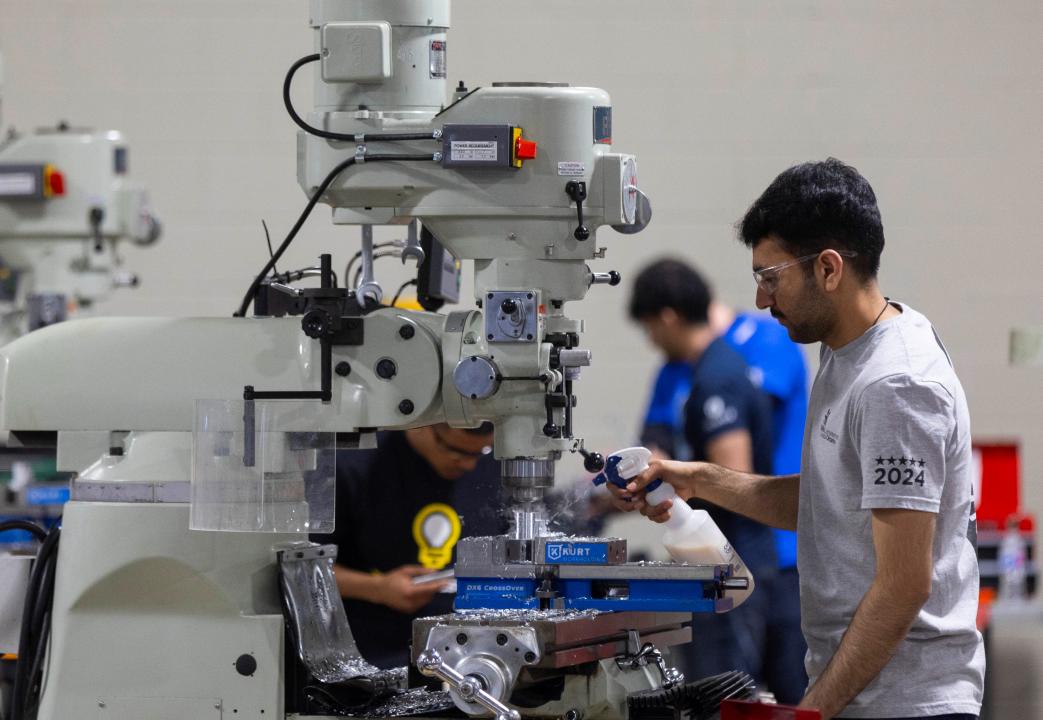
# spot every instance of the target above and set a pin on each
(701, 407)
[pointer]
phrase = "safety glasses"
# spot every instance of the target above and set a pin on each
(767, 279)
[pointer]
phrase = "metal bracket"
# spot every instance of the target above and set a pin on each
(511, 316)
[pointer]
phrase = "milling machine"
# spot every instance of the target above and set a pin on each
(65, 205)
(239, 616)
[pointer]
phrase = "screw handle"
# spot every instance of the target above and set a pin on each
(470, 687)
(577, 190)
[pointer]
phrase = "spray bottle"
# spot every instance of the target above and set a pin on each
(691, 535)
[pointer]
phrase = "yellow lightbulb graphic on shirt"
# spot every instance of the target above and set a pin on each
(436, 528)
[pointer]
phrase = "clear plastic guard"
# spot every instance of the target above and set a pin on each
(258, 466)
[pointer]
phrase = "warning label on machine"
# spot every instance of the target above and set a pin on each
(473, 151)
(20, 181)
(437, 63)
(572, 169)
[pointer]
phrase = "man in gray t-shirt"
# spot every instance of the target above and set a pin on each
(888, 428)
(882, 505)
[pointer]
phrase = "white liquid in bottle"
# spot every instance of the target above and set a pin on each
(691, 535)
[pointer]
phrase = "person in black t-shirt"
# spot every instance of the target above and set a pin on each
(401, 509)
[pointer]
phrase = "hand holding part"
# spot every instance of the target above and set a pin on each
(398, 591)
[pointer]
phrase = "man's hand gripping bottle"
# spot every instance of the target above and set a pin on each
(691, 535)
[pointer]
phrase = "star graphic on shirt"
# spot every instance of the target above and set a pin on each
(922, 463)
(879, 461)
(902, 461)
(891, 460)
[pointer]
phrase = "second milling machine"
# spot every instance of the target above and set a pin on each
(181, 599)
(66, 203)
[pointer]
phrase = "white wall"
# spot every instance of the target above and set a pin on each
(937, 103)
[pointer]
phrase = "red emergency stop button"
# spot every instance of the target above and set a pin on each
(53, 181)
(524, 149)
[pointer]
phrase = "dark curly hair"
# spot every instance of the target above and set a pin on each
(670, 283)
(819, 206)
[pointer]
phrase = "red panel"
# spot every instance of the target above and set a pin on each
(1000, 484)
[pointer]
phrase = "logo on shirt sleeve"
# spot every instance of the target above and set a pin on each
(717, 413)
(824, 432)
(900, 470)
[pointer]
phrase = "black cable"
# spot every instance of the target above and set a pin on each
(376, 256)
(312, 202)
(38, 532)
(35, 625)
(42, 625)
(402, 287)
(34, 687)
(291, 276)
(344, 137)
(248, 298)
(268, 237)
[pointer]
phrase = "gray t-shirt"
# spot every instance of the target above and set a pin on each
(888, 427)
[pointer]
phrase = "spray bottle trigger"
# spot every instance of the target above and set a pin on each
(631, 461)
(623, 465)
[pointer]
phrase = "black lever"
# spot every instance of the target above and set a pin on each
(577, 190)
(96, 216)
(592, 461)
